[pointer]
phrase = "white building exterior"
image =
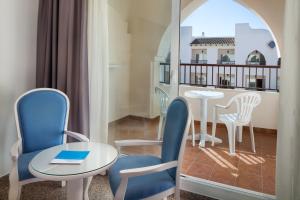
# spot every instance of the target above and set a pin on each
(248, 40)
(248, 47)
(185, 43)
(237, 48)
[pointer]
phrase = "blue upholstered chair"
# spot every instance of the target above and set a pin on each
(41, 117)
(150, 177)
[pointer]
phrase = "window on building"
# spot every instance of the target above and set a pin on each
(227, 80)
(225, 56)
(198, 78)
(256, 58)
(199, 56)
(256, 82)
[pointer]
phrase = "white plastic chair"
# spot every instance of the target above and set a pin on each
(163, 104)
(245, 103)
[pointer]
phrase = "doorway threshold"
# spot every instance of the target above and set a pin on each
(220, 191)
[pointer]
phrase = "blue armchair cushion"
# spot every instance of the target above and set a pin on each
(42, 119)
(140, 187)
(176, 120)
(23, 162)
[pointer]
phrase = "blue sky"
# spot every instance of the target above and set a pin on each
(218, 18)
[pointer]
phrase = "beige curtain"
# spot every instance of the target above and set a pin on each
(98, 69)
(288, 148)
(62, 55)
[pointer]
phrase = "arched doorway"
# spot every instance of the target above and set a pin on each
(256, 58)
(253, 78)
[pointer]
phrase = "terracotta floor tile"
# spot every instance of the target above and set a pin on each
(222, 175)
(268, 185)
(249, 181)
(269, 168)
(250, 164)
(205, 157)
(269, 152)
(222, 158)
(200, 170)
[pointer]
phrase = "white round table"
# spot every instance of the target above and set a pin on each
(100, 158)
(204, 96)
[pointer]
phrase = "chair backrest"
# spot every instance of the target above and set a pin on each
(175, 132)
(163, 99)
(41, 117)
(245, 103)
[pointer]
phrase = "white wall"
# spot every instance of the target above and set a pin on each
(149, 21)
(272, 12)
(119, 59)
(136, 28)
(247, 40)
(212, 55)
(264, 116)
(185, 41)
(18, 22)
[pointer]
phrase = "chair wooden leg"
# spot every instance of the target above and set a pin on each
(14, 192)
(213, 133)
(15, 188)
(252, 137)
(177, 194)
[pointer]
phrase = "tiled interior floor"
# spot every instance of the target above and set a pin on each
(254, 171)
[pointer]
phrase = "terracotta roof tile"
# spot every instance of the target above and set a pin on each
(213, 40)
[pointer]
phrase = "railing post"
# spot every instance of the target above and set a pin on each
(212, 75)
(206, 75)
(195, 67)
(270, 74)
(276, 81)
(218, 76)
(190, 81)
(236, 75)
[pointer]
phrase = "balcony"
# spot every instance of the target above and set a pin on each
(226, 62)
(250, 77)
(199, 61)
(232, 79)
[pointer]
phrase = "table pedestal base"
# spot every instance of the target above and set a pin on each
(204, 138)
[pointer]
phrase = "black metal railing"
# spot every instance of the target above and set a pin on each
(255, 77)
(164, 73)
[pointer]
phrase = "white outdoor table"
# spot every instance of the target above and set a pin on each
(204, 96)
(100, 158)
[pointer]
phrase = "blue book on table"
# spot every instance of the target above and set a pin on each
(70, 157)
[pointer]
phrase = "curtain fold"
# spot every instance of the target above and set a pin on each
(288, 142)
(98, 69)
(62, 59)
